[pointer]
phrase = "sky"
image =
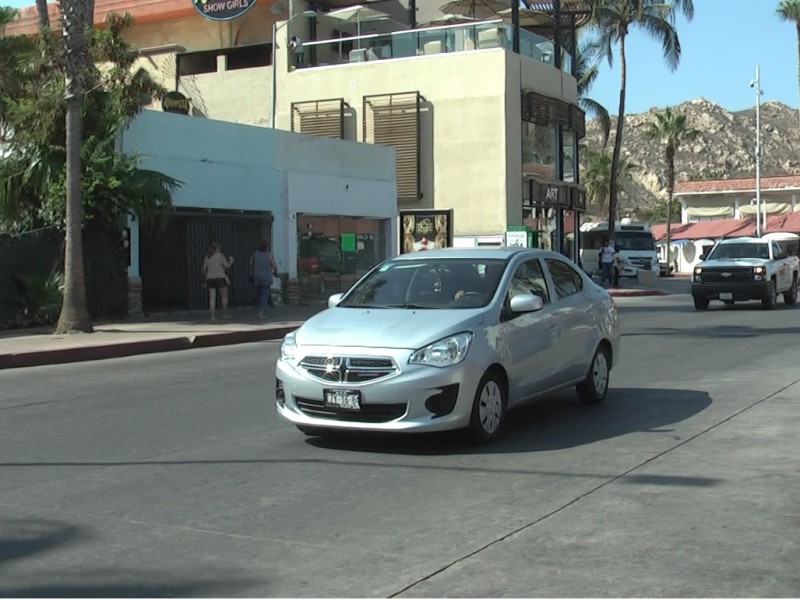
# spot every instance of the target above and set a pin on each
(721, 48)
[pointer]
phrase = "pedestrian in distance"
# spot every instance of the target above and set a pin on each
(216, 279)
(262, 273)
(607, 253)
(296, 50)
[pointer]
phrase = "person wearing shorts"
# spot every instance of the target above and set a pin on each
(214, 266)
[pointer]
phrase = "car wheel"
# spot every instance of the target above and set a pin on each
(700, 303)
(770, 298)
(593, 389)
(790, 297)
(488, 408)
(728, 302)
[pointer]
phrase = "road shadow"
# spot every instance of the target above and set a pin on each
(552, 423)
(719, 331)
(24, 540)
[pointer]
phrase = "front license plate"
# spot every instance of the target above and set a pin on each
(346, 399)
(726, 295)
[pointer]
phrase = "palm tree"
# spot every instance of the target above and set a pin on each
(44, 26)
(77, 17)
(13, 53)
(789, 10)
(613, 21)
(586, 72)
(671, 129)
(596, 176)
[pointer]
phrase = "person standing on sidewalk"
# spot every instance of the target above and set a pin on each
(607, 253)
(215, 278)
(262, 273)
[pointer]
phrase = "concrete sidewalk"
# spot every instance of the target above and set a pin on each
(168, 332)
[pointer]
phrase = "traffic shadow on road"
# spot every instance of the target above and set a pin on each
(552, 423)
(22, 541)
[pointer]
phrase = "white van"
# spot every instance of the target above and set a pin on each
(634, 241)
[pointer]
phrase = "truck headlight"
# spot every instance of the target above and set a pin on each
(288, 347)
(759, 273)
(698, 273)
(443, 353)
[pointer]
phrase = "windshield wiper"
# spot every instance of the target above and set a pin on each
(361, 306)
(407, 305)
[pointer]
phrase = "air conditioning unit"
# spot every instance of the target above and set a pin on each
(358, 55)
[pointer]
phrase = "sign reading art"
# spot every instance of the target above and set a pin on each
(223, 10)
(175, 102)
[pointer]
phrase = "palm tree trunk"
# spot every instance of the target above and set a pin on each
(77, 16)
(74, 313)
(670, 191)
(44, 26)
(613, 184)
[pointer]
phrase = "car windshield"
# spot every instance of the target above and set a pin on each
(629, 240)
(749, 250)
(428, 283)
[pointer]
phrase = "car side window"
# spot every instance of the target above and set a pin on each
(567, 280)
(529, 279)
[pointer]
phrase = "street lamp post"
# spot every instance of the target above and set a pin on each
(275, 28)
(756, 84)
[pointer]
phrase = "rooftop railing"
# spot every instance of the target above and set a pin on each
(445, 39)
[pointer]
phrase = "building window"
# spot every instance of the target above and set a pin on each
(196, 63)
(248, 57)
(539, 150)
(568, 155)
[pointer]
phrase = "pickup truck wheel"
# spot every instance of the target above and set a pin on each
(770, 298)
(700, 303)
(790, 296)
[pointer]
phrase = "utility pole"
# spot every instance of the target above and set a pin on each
(756, 84)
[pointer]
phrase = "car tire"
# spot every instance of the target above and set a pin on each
(728, 302)
(488, 408)
(594, 388)
(700, 303)
(770, 298)
(790, 296)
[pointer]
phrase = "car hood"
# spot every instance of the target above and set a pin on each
(734, 262)
(385, 327)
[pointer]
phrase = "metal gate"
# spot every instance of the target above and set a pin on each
(171, 262)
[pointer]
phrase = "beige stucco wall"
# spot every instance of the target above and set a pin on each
(473, 97)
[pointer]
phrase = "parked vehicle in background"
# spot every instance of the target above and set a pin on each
(449, 339)
(745, 269)
(634, 242)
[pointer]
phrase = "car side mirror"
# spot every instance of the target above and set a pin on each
(526, 303)
(334, 300)
(703, 256)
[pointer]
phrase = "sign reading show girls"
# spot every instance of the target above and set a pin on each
(223, 10)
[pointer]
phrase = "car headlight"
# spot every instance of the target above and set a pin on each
(448, 351)
(759, 270)
(698, 270)
(288, 347)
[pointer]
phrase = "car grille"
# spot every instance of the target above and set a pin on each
(348, 369)
(369, 413)
(727, 274)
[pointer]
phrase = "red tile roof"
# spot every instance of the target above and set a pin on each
(705, 229)
(789, 222)
(779, 182)
(727, 227)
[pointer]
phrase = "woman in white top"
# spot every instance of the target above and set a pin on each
(214, 267)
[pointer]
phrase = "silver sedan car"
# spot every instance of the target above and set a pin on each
(449, 339)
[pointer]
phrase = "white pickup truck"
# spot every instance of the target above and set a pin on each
(745, 269)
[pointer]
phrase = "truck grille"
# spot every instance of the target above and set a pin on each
(727, 274)
(348, 369)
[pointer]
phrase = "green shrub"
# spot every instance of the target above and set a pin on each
(38, 298)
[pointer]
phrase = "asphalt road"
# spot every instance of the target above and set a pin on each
(170, 475)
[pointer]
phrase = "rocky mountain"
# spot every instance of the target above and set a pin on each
(725, 147)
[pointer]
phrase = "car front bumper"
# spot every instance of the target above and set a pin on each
(751, 290)
(404, 401)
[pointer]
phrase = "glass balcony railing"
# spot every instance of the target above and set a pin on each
(434, 40)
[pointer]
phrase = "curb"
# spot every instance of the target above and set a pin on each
(35, 358)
